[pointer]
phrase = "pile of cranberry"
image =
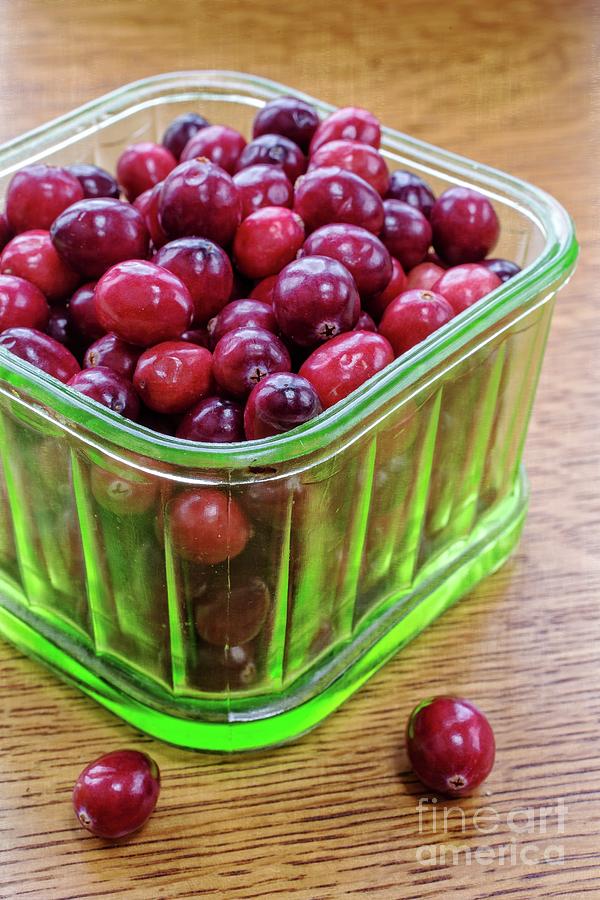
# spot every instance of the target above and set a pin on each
(240, 288)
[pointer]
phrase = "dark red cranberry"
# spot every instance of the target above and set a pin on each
(6, 232)
(465, 225)
(241, 286)
(93, 235)
(223, 668)
(60, 326)
(41, 351)
(344, 364)
(31, 255)
(218, 143)
(358, 250)
(38, 194)
(122, 496)
(199, 199)
(181, 131)
(412, 317)
(262, 185)
(158, 422)
(205, 270)
(293, 118)
(423, 276)
(215, 420)
(117, 793)
(503, 268)
(142, 303)
(334, 195)
(198, 336)
(172, 376)
(96, 182)
(462, 286)
(377, 303)
(362, 159)
(106, 387)
(148, 205)
(279, 403)
(234, 614)
(141, 166)
(242, 314)
(365, 323)
(406, 233)
(207, 526)
(314, 299)
(114, 353)
(409, 188)
(82, 310)
(245, 356)
(350, 123)
(450, 745)
(274, 150)
(22, 304)
(264, 289)
(267, 240)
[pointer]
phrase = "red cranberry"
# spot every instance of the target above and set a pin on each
(406, 233)
(143, 303)
(264, 289)
(205, 270)
(242, 314)
(423, 276)
(274, 150)
(181, 130)
(335, 195)
(21, 304)
(31, 255)
(409, 188)
(218, 143)
(198, 336)
(450, 745)
(343, 364)
(314, 299)
(122, 496)
(262, 185)
(234, 614)
(377, 304)
(172, 376)
(38, 194)
(412, 317)
(362, 159)
(293, 118)
(6, 232)
(465, 225)
(106, 387)
(117, 793)
(267, 241)
(199, 199)
(115, 354)
(96, 182)
(207, 526)
(93, 235)
(462, 286)
(358, 250)
(41, 351)
(148, 204)
(215, 420)
(279, 403)
(365, 323)
(82, 310)
(350, 123)
(245, 356)
(141, 166)
(503, 268)
(60, 326)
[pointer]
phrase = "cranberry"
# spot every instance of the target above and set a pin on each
(181, 130)
(279, 403)
(314, 299)
(60, 326)
(198, 336)
(350, 123)
(141, 166)
(199, 199)
(172, 376)
(41, 351)
(241, 286)
(6, 232)
(365, 323)
(93, 235)
(424, 276)
(31, 255)
(262, 185)
(343, 364)
(38, 194)
(218, 143)
(465, 225)
(267, 240)
(122, 496)
(96, 182)
(409, 188)
(149, 209)
(215, 420)
(207, 526)
(222, 668)
(450, 745)
(205, 270)
(106, 387)
(412, 317)
(293, 118)
(242, 314)
(376, 305)
(406, 233)
(462, 286)
(117, 793)
(21, 303)
(362, 159)
(358, 250)
(82, 310)
(234, 614)
(503, 268)
(244, 356)
(264, 289)
(115, 354)
(335, 195)
(274, 150)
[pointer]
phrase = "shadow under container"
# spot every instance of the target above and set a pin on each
(344, 538)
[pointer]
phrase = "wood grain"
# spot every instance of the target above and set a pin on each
(514, 85)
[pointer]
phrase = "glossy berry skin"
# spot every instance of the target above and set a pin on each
(233, 615)
(106, 387)
(242, 314)
(332, 194)
(315, 298)
(465, 226)
(148, 205)
(215, 420)
(199, 199)
(143, 165)
(172, 376)
(263, 185)
(274, 150)
(38, 194)
(93, 235)
(181, 131)
(450, 745)
(343, 364)
(376, 304)
(462, 286)
(362, 159)
(424, 276)
(412, 317)
(218, 143)
(115, 354)
(198, 336)
(117, 793)
(365, 323)
(59, 326)
(82, 311)
(21, 304)
(6, 232)
(31, 255)
(122, 496)
(205, 270)
(406, 233)
(142, 303)
(207, 526)
(503, 268)
(245, 356)
(409, 188)
(267, 240)
(264, 289)
(96, 182)
(279, 403)
(350, 123)
(363, 254)
(293, 118)
(41, 351)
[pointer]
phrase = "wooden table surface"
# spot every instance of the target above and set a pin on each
(515, 85)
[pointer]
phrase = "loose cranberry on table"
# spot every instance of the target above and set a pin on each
(377, 303)
(172, 376)
(406, 233)
(218, 143)
(207, 526)
(40, 350)
(450, 745)
(38, 194)
(82, 310)
(122, 496)
(96, 182)
(199, 199)
(264, 289)
(205, 270)
(263, 185)
(141, 166)
(350, 123)
(112, 352)
(412, 317)
(362, 159)
(108, 388)
(411, 189)
(274, 150)
(332, 194)
(279, 403)
(245, 356)
(21, 303)
(465, 225)
(181, 131)
(293, 118)
(215, 420)
(242, 314)
(503, 268)
(6, 232)
(363, 254)
(31, 255)
(462, 286)
(233, 614)
(424, 276)
(267, 240)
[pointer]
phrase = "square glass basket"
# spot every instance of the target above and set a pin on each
(366, 522)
